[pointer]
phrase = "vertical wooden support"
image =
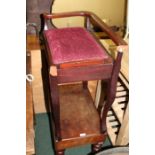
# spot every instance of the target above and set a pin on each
(85, 84)
(55, 104)
(45, 79)
(111, 91)
(103, 95)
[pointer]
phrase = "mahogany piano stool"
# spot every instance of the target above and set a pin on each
(73, 54)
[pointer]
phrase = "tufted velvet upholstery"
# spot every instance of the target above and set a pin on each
(73, 45)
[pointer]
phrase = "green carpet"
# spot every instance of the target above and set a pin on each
(43, 144)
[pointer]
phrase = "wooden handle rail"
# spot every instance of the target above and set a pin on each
(94, 19)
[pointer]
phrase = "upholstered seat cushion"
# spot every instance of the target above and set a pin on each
(73, 45)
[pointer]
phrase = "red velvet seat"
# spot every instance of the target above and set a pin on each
(73, 45)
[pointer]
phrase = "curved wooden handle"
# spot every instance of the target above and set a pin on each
(94, 19)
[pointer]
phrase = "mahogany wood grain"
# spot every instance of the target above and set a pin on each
(111, 90)
(81, 64)
(78, 115)
(68, 143)
(94, 72)
(55, 104)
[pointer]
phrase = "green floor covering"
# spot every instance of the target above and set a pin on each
(43, 144)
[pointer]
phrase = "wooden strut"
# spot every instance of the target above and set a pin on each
(55, 104)
(55, 99)
(111, 91)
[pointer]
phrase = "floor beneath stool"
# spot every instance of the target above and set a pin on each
(43, 144)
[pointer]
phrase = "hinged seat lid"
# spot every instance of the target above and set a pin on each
(67, 45)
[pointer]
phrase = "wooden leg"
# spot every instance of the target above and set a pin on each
(96, 147)
(55, 104)
(85, 84)
(62, 152)
(102, 88)
(111, 90)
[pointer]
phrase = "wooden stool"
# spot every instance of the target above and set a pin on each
(73, 55)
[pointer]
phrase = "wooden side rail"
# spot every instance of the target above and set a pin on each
(93, 18)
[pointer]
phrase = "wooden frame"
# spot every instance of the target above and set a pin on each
(58, 74)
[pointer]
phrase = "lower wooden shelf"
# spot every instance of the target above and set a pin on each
(79, 119)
